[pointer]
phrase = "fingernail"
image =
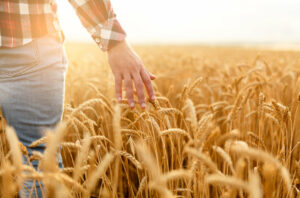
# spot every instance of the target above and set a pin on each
(132, 104)
(152, 97)
(143, 105)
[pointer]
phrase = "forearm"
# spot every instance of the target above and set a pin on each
(98, 18)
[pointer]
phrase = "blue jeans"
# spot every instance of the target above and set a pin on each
(32, 81)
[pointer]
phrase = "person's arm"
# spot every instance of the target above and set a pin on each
(98, 17)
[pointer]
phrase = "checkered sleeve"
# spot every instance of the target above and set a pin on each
(98, 17)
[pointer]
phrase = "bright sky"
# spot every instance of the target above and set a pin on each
(198, 21)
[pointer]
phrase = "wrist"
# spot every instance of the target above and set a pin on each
(120, 45)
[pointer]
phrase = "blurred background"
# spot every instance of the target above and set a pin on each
(222, 22)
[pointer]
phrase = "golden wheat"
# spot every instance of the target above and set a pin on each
(225, 123)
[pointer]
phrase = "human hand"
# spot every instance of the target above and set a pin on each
(126, 65)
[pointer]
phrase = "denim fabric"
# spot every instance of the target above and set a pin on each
(32, 79)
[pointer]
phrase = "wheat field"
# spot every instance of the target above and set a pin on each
(225, 124)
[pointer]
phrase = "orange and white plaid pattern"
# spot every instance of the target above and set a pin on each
(21, 21)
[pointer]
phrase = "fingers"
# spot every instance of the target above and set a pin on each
(129, 90)
(139, 89)
(118, 87)
(140, 79)
(147, 81)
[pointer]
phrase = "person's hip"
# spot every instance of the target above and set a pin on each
(38, 54)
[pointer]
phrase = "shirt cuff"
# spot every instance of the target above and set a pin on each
(109, 35)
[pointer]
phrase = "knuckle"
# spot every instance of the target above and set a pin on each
(147, 79)
(127, 87)
(148, 83)
(141, 94)
(118, 78)
(128, 83)
(118, 83)
(134, 70)
(139, 86)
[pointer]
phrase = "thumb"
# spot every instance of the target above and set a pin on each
(152, 76)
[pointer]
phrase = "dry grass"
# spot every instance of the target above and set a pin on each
(225, 124)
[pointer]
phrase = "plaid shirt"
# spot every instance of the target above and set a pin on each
(21, 21)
